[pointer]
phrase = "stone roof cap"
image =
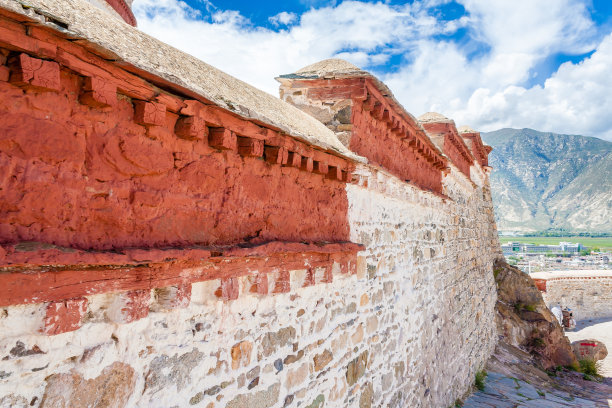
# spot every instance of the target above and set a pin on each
(329, 68)
(433, 117)
(336, 68)
(137, 51)
(466, 129)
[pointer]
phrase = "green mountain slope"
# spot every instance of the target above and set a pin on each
(547, 180)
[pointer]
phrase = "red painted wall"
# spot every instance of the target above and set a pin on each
(381, 130)
(91, 177)
(454, 147)
(373, 139)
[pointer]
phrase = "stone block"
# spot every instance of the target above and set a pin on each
(356, 368)
(112, 388)
(320, 167)
(149, 113)
(249, 147)
(589, 350)
(323, 359)
(129, 306)
(276, 155)
(294, 160)
(307, 164)
(98, 92)
(261, 399)
(37, 73)
(241, 354)
(191, 128)
(64, 316)
(171, 297)
(297, 376)
(229, 289)
(222, 139)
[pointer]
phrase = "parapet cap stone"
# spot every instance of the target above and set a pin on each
(434, 117)
(466, 129)
(329, 68)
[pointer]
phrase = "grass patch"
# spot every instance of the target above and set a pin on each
(538, 342)
(589, 368)
(458, 403)
(573, 367)
(479, 380)
(541, 393)
(496, 272)
(519, 306)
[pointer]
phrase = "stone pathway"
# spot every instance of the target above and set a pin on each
(508, 392)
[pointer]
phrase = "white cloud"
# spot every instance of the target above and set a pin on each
(487, 89)
(283, 18)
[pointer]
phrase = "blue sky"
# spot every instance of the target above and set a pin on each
(490, 64)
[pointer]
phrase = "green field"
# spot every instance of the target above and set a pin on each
(602, 243)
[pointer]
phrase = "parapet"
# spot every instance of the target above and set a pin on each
(367, 119)
(119, 8)
(473, 140)
(443, 133)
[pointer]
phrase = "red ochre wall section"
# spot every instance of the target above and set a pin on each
(85, 166)
(381, 131)
(109, 183)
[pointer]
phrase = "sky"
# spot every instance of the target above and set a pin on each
(489, 64)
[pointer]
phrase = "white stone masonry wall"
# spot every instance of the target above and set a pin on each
(410, 329)
(589, 297)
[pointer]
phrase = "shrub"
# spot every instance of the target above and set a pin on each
(518, 306)
(589, 367)
(531, 308)
(479, 380)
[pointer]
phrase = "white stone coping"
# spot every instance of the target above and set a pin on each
(589, 273)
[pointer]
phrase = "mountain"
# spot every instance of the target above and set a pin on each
(546, 181)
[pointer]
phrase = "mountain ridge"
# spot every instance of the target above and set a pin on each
(545, 180)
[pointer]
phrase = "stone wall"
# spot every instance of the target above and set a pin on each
(409, 328)
(589, 295)
(429, 263)
(158, 249)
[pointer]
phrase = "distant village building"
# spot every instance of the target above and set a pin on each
(519, 248)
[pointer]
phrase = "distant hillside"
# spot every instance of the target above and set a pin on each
(547, 180)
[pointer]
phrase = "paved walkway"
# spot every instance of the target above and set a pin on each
(508, 392)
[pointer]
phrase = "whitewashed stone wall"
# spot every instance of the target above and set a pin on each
(589, 297)
(430, 263)
(410, 329)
